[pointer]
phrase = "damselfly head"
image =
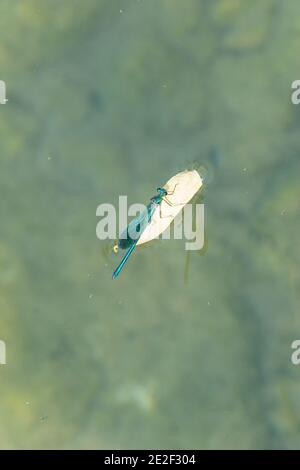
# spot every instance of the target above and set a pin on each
(162, 191)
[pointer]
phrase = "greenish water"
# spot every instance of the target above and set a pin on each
(105, 102)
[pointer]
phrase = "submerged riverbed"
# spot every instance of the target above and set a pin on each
(109, 98)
